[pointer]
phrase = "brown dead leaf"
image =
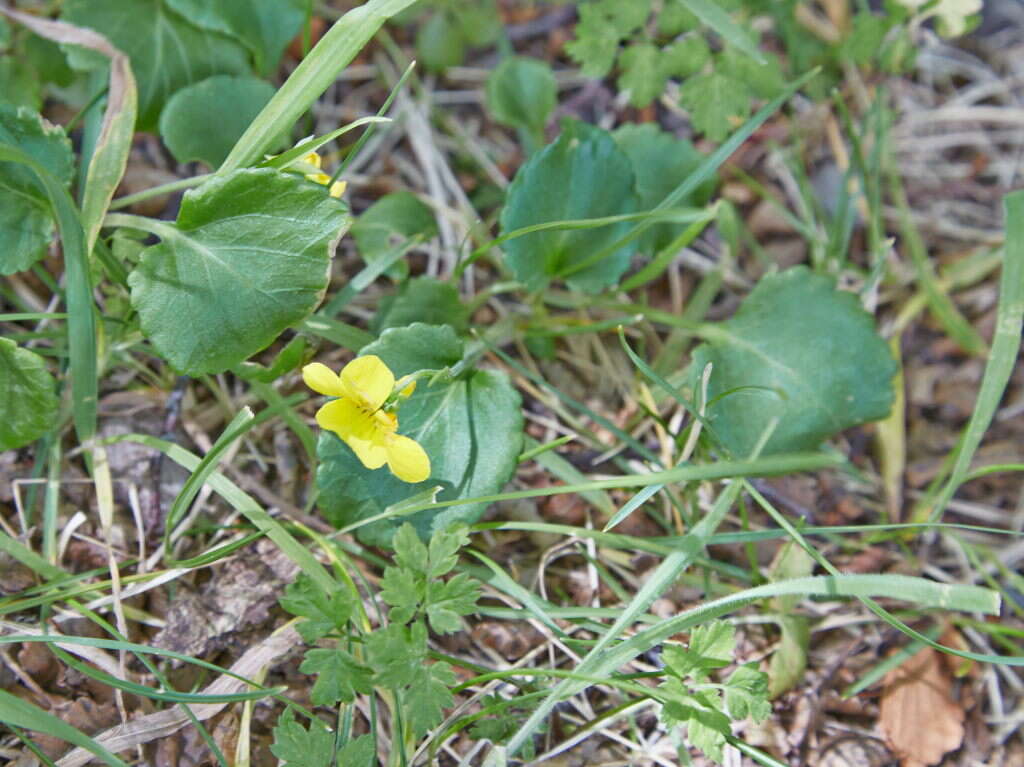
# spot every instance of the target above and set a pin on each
(239, 598)
(920, 720)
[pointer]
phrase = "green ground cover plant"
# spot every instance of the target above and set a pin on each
(407, 348)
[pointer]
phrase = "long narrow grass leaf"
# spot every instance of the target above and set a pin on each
(311, 78)
(81, 309)
(20, 713)
(714, 16)
(1004, 353)
(243, 503)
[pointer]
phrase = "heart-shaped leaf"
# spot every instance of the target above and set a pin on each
(440, 43)
(472, 429)
(203, 121)
(167, 51)
(388, 223)
(249, 257)
(583, 174)
(521, 93)
(661, 162)
(26, 222)
(19, 83)
(422, 299)
(797, 350)
(265, 27)
(28, 393)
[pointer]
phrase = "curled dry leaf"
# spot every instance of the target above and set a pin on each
(918, 716)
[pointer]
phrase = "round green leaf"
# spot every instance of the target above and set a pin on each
(439, 43)
(27, 392)
(26, 221)
(265, 27)
(203, 121)
(800, 351)
(661, 162)
(46, 58)
(583, 174)
(471, 428)
(19, 82)
(521, 93)
(167, 51)
(423, 299)
(479, 21)
(249, 257)
(388, 223)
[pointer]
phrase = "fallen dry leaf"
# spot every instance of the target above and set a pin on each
(918, 716)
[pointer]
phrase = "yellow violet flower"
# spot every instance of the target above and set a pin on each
(337, 188)
(358, 416)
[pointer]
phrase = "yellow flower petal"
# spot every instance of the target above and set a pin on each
(368, 381)
(345, 418)
(357, 429)
(312, 158)
(338, 188)
(322, 379)
(407, 459)
(371, 452)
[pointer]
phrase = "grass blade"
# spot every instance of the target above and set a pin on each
(1005, 349)
(942, 306)
(20, 713)
(241, 501)
(311, 78)
(712, 15)
(81, 314)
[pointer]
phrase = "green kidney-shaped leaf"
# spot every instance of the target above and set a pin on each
(19, 84)
(479, 22)
(521, 93)
(471, 428)
(167, 51)
(583, 174)
(388, 223)
(28, 394)
(249, 257)
(797, 350)
(265, 27)
(440, 43)
(661, 162)
(423, 299)
(203, 121)
(26, 222)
